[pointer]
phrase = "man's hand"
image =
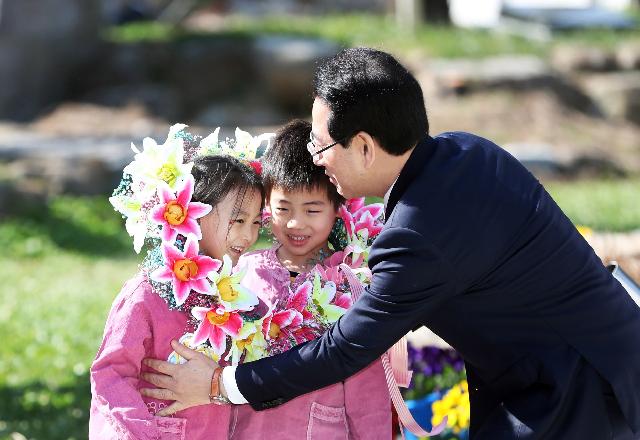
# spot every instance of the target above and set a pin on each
(188, 384)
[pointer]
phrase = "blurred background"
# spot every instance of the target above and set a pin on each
(556, 83)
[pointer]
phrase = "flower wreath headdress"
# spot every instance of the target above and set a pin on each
(154, 196)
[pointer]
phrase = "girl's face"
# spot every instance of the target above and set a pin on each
(231, 229)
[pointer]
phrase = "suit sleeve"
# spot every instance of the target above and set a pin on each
(410, 278)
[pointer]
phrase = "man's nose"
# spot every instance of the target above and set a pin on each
(317, 159)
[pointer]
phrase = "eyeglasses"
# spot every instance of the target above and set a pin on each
(314, 150)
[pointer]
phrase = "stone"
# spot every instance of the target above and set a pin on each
(84, 120)
(240, 113)
(583, 59)
(594, 167)
(286, 66)
(37, 79)
(19, 198)
(161, 100)
(43, 44)
(462, 75)
(50, 18)
(542, 160)
(209, 70)
(512, 73)
(616, 94)
(628, 56)
(54, 176)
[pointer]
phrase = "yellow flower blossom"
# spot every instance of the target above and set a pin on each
(584, 230)
(455, 405)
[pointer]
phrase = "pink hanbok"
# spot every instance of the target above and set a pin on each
(141, 325)
(358, 408)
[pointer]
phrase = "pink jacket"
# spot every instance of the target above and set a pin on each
(358, 408)
(141, 325)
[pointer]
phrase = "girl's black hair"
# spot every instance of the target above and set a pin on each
(216, 176)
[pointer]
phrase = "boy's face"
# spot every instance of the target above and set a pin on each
(301, 220)
(226, 233)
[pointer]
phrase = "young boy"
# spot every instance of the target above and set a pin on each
(304, 206)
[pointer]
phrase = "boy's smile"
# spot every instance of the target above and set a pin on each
(298, 240)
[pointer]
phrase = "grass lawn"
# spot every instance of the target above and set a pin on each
(375, 31)
(63, 265)
(603, 205)
(52, 316)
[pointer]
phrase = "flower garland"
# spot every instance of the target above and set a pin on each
(155, 198)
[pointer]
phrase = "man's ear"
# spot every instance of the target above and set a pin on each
(368, 148)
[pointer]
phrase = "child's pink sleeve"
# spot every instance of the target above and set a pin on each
(121, 412)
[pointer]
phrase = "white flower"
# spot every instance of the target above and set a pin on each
(248, 145)
(251, 341)
(323, 296)
(211, 145)
(245, 145)
(136, 223)
(187, 341)
(159, 163)
(231, 294)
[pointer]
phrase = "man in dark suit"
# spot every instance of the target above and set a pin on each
(475, 249)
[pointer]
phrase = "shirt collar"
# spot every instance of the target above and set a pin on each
(388, 193)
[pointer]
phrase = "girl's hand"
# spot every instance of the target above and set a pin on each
(187, 384)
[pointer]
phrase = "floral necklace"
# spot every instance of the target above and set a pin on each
(155, 198)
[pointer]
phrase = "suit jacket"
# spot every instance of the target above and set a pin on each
(475, 249)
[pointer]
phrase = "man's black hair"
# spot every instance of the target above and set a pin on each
(288, 165)
(369, 90)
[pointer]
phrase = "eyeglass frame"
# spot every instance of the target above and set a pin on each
(311, 145)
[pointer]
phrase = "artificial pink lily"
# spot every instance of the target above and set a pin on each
(375, 209)
(186, 270)
(357, 208)
(368, 222)
(334, 275)
(304, 334)
(177, 213)
(299, 299)
(358, 216)
(216, 323)
(281, 323)
(347, 218)
(330, 272)
(345, 257)
(353, 205)
(343, 300)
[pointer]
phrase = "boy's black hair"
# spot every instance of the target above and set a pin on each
(288, 165)
(369, 90)
(216, 176)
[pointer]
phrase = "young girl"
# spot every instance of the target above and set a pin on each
(141, 324)
(304, 206)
